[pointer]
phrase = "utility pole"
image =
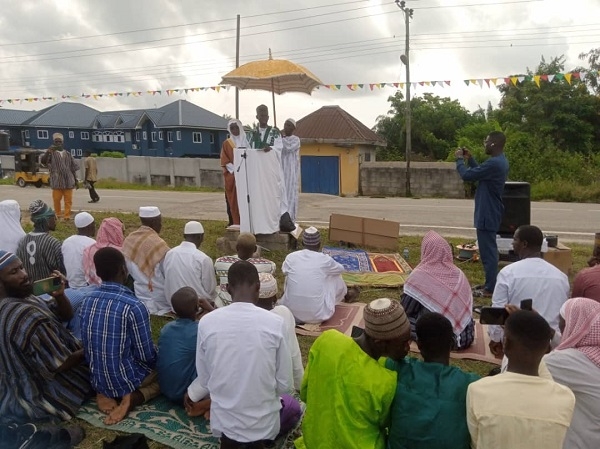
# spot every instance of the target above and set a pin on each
(408, 13)
(237, 64)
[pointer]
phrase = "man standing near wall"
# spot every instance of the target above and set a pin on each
(63, 175)
(91, 176)
(488, 202)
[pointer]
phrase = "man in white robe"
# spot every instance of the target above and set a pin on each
(290, 164)
(73, 247)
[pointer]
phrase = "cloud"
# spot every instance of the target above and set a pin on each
(351, 42)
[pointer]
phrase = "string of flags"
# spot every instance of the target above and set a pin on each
(567, 77)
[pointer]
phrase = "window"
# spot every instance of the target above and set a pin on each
(42, 134)
(178, 135)
(79, 152)
(137, 136)
(119, 136)
(169, 136)
(145, 135)
(85, 135)
(96, 136)
(368, 157)
(71, 134)
(73, 153)
(197, 137)
(107, 136)
(153, 134)
(212, 138)
(160, 135)
(27, 134)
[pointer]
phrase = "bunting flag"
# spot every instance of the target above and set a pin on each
(514, 80)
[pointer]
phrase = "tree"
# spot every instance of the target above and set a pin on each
(435, 122)
(591, 77)
(565, 114)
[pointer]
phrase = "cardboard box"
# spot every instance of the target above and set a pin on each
(363, 231)
(561, 257)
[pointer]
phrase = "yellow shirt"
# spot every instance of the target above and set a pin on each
(518, 412)
(92, 169)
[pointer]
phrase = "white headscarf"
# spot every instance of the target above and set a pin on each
(239, 141)
(10, 223)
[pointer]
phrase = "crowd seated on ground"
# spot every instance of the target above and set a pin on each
(91, 338)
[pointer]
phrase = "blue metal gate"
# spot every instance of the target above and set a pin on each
(320, 174)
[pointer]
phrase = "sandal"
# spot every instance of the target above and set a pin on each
(478, 287)
(482, 294)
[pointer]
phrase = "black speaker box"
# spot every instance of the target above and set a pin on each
(517, 207)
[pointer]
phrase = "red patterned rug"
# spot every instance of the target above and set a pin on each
(344, 317)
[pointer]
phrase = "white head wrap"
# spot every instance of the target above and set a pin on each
(239, 141)
(10, 223)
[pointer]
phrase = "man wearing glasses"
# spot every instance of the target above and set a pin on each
(63, 175)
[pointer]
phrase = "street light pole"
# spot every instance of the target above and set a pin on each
(408, 13)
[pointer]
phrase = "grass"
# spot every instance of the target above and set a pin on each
(172, 233)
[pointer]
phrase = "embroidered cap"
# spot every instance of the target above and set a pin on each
(83, 219)
(311, 237)
(149, 211)
(6, 258)
(385, 319)
(268, 285)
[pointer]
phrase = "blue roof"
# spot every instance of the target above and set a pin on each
(184, 113)
(14, 116)
(64, 115)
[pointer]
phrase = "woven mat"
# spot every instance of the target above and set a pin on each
(344, 317)
(353, 260)
(479, 350)
(382, 263)
(162, 421)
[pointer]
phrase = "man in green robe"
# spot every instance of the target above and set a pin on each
(265, 137)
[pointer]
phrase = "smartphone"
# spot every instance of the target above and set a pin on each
(527, 304)
(356, 331)
(493, 315)
(47, 285)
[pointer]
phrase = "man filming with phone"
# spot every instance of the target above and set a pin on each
(43, 374)
(529, 278)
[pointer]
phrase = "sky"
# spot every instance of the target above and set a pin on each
(50, 48)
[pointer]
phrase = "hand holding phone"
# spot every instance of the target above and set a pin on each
(48, 285)
(527, 304)
(493, 315)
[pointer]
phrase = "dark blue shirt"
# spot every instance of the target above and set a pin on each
(176, 365)
(491, 176)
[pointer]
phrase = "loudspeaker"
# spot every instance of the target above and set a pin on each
(517, 207)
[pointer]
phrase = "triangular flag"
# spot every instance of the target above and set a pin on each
(559, 76)
(381, 85)
(550, 78)
(536, 79)
(473, 81)
(401, 85)
(349, 86)
(528, 78)
(413, 85)
(218, 88)
(514, 80)
(371, 86)
(577, 75)
(480, 82)
(338, 86)
(582, 75)
(507, 81)
(568, 77)
(467, 82)
(521, 78)
(422, 83)
(395, 84)
(95, 97)
(447, 82)
(433, 83)
(544, 77)
(487, 81)
(428, 83)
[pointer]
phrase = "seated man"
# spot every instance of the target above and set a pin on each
(116, 335)
(529, 278)
(145, 252)
(429, 407)
(41, 253)
(187, 266)
(313, 284)
(244, 363)
(41, 363)
(176, 365)
(519, 409)
(245, 248)
(587, 283)
(73, 247)
(348, 394)
(267, 298)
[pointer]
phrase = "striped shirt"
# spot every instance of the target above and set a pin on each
(41, 254)
(62, 167)
(34, 345)
(115, 331)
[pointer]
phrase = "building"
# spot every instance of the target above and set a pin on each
(178, 129)
(334, 144)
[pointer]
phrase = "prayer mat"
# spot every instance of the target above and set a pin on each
(344, 317)
(353, 260)
(165, 422)
(390, 279)
(382, 263)
(479, 350)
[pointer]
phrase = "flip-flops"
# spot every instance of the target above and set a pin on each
(482, 294)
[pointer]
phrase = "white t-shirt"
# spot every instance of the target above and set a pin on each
(72, 250)
(531, 278)
(187, 266)
(154, 299)
(571, 368)
(292, 342)
(313, 285)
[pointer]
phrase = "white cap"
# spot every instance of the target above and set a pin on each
(83, 219)
(193, 227)
(311, 230)
(149, 211)
(292, 121)
(268, 285)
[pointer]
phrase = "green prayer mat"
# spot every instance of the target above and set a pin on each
(162, 421)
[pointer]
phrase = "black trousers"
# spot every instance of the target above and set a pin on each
(228, 443)
(93, 194)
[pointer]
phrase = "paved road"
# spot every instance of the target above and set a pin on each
(571, 221)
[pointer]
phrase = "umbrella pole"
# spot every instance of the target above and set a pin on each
(273, 95)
